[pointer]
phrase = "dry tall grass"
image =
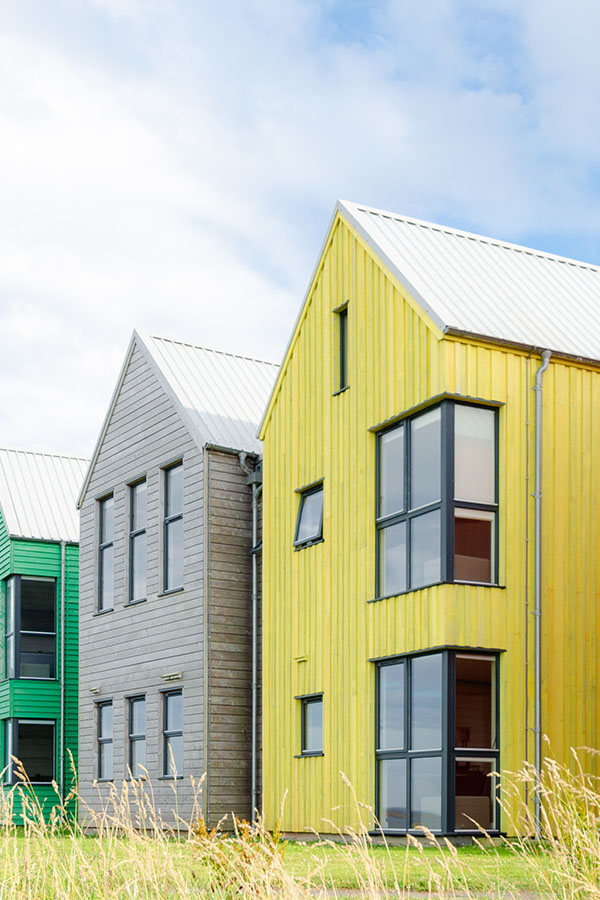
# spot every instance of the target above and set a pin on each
(135, 854)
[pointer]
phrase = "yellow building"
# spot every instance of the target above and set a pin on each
(423, 502)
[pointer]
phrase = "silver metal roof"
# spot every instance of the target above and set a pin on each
(38, 493)
(469, 283)
(223, 395)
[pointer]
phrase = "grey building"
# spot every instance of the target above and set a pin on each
(166, 579)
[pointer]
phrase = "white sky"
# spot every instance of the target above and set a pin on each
(172, 166)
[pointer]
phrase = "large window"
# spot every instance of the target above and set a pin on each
(173, 734)
(137, 542)
(173, 528)
(106, 511)
(104, 727)
(309, 524)
(32, 742)
(30, 627)
(137, 737)
(437, 499)
(437, 742)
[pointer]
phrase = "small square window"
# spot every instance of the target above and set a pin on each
(312, 725)
(309, 526)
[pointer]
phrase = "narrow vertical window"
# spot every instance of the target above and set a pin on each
(32, 742)
(105, 740)
(312, 725)
(173, 734)
(137, 542)
(173, 528)
(106, 554)
(137, 737)
(341, 315)
(309, 524)
(30, 627)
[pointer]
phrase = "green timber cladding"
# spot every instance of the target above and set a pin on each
(38, 542)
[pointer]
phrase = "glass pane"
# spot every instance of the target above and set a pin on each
(174, 750)
(474, 804)
(391, 707)
(425, 549)
(138, 716)
(138, 562)
(392, 559)
(138, 758)
(105, 600)
(174, 567)
(473, 545)
(313, 725)
(105, 720)
(391, 472)
(10, 604)
(10, 657)
(37, 656)
(37, 605)
(138, 506)
(392, 794)
(426, 793)
(35, 750)
(174, 490)
(474, 454)
(426, 708)
(107, 508)
(174, 712)
(105, 760)
(343, 328)
(475, 702)
(425, 458)
(310, 516)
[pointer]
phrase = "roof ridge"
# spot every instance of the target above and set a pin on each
(471, 235)
(44, 453)
(158, 337)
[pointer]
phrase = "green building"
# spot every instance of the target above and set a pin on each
(39, 584)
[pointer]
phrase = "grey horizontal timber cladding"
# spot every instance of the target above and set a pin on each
(128, 650)
(229, 569)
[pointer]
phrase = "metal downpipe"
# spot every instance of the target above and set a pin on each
(537, 611)
(63, 569)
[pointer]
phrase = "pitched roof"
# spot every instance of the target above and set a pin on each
(38, 493)
(477, 285)
(220, 396)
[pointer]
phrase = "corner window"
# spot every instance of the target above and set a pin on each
(437, 742)
(137, 737)
(173, 734)
(437, 504)
(104, 720)
(30, 627)
(173, 528)
(137, 542)
(309, 525)
(32, 742)
(106, 511)
(341, 379)
(312, 725)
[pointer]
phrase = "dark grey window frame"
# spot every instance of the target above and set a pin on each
(446, 504)
(102, 547)
(341, 315)
(100, 740)
(133, 534)
(10, 725)
(305, 701)
(314, 488)
(17, 632)
(169, 733)
(135, 737)
(448, 751)
(167, 520)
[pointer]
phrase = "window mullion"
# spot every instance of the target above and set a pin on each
(448, 491)
(407, 505)
(16, 662)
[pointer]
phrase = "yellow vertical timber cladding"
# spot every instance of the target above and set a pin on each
(319, 628)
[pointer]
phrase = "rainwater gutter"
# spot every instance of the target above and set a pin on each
(63, 568)
(537, 611)
(255, 480)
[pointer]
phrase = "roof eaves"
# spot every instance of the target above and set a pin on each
(515, 345)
